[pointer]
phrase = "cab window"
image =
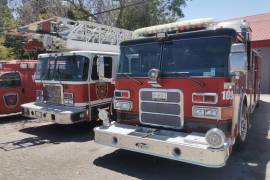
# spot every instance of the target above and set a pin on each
(10, 80)
(108, 63)
(108, 67)
(94, 74)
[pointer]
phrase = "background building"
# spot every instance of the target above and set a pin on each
(260, 25)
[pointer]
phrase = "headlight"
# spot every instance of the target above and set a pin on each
(123, 105)
(205, 112)
(68, 98)
(198, 112)
(211, 112)
(215, 138)
(68, 101)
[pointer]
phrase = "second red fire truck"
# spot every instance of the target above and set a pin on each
(16, 85)
(73, 85)
(69, 87)
(184, 91)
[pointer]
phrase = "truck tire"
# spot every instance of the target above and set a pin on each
(242, 137)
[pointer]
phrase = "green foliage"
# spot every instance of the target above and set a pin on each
(152, 12)
(5, 53)
(6, 22)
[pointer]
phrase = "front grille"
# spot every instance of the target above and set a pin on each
(161, 107)
(52, 94)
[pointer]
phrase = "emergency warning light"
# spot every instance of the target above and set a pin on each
(175, 27)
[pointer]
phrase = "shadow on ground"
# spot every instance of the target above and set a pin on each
(52, 134)
(12, 118)
(250, 163)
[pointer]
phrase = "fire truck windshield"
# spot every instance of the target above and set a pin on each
(63, 68)
(204, 56)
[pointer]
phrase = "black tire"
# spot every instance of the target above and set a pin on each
(242, 138)
(258, 104)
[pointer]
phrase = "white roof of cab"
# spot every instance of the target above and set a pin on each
(195, 24)
(69, 53)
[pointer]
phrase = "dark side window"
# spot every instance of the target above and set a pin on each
(107, 67)
(94, 74)
(10, 80)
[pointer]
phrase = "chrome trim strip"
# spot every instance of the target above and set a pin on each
(160, 114)
(100, 101)
(160, 102)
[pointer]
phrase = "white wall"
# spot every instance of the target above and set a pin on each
(265, 53)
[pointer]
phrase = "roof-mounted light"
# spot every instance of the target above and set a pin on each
(238, 25)
(23, 66)
(175, 27)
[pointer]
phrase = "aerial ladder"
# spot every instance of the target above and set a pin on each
(59, 34)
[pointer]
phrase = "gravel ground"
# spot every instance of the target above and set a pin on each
(33, 149)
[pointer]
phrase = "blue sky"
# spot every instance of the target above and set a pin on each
(224, 9)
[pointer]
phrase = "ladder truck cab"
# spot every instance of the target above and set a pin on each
(184, 91)
(73, 85)
(16, 85)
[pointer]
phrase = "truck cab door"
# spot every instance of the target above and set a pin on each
(102, 75)
(11, 93)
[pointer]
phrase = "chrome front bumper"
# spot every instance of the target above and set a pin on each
(190, 148)
(59, 114)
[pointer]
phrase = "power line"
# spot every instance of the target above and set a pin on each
(102, 12)
(123, 7)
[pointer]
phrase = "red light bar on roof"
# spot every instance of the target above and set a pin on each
(176, 26)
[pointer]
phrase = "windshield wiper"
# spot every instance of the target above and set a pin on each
(127, 75)
(185, 74)
(47, 74)
(58, 73)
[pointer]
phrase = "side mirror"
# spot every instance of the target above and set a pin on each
(100, 67)
(238, 60)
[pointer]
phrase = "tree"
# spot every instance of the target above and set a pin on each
(6, 22)
(152, 12)
(29, 11)
(5, 53)
(130, 14)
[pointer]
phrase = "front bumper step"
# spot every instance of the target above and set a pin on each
(190, 148)
(59, 114)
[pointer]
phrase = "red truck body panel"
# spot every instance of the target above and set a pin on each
(21, 93)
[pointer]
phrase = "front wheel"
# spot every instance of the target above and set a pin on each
(242, 137)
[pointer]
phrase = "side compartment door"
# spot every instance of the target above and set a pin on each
(12, 93)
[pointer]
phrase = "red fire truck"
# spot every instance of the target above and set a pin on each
(73, 85)
(16, 85)
(184, 91)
